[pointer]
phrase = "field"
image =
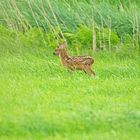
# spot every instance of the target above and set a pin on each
(40, 99)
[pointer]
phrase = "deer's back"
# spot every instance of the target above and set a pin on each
(79, 61)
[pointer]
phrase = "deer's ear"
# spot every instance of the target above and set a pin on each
(63, 46)
(58, 45)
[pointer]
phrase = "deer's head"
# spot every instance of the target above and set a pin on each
(61, 49)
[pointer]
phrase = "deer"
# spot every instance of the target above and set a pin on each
(82, 63)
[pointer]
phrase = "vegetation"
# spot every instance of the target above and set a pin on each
(58, 17)
(40, 99)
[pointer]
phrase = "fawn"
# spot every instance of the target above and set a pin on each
(83, 63)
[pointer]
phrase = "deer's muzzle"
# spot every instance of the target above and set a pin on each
(54, 53)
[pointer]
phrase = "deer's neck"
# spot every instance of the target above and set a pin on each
(64, 56)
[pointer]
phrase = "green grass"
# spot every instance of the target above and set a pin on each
(39, 99)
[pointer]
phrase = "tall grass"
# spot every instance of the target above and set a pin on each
(66, 16)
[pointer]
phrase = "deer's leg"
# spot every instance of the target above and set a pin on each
(93, 73)
(70, 69)
(89, 71)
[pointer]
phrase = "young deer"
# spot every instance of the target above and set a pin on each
(83, 63)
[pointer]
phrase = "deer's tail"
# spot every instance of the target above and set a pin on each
(90, 61)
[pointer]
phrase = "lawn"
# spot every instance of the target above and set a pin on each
(39, 99)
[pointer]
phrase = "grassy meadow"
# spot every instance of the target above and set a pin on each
(40, 99)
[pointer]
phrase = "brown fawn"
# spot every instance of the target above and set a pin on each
(83, 63)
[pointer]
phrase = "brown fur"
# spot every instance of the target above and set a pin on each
(74, 62)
